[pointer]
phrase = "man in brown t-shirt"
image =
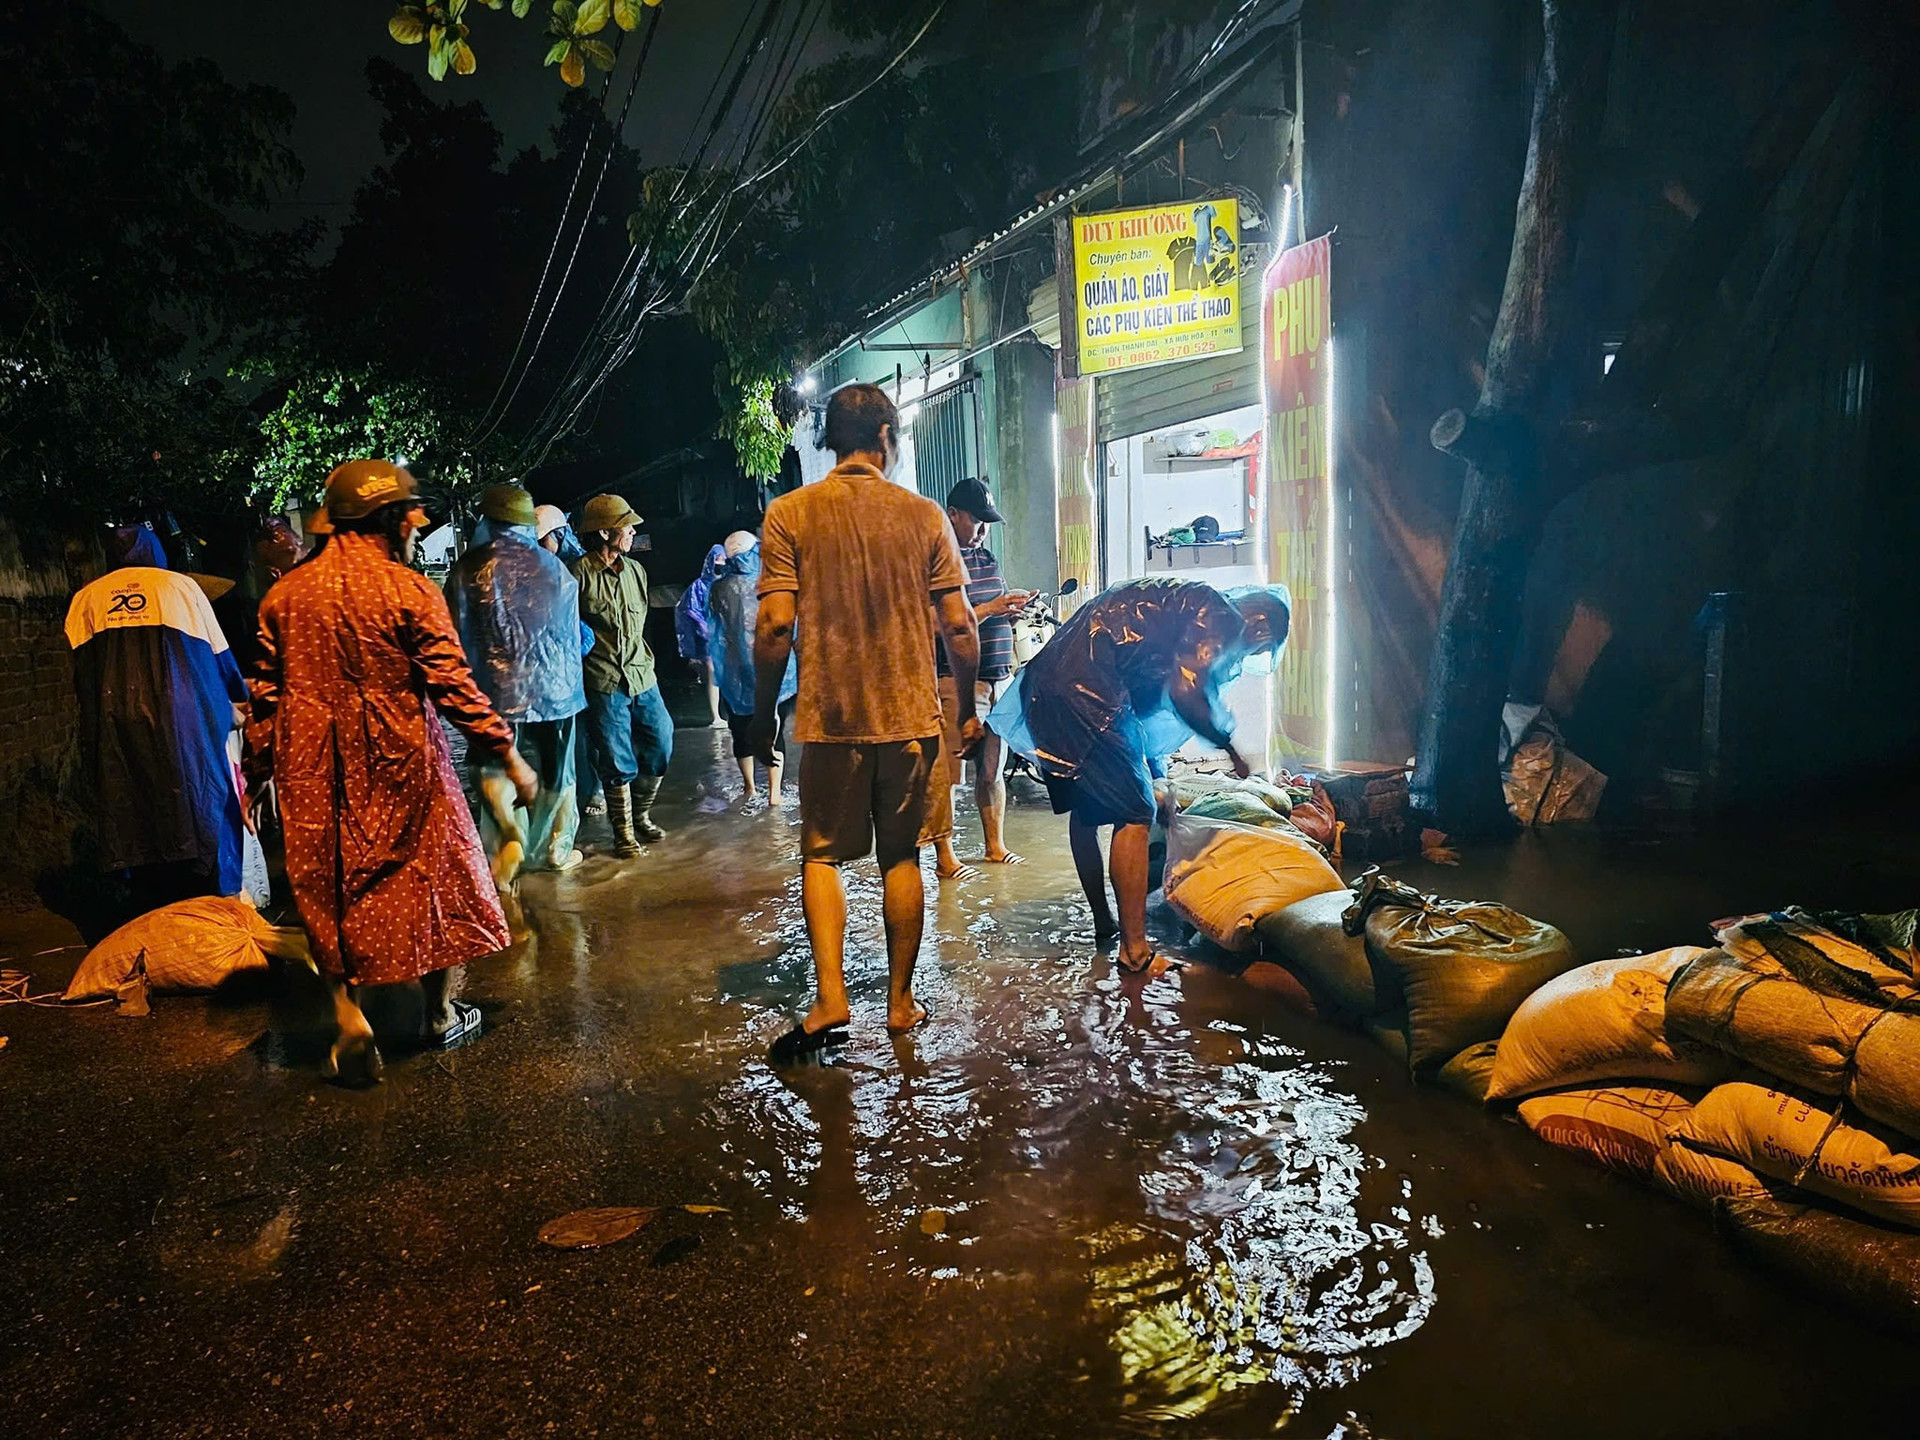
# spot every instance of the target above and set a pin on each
(851, 562)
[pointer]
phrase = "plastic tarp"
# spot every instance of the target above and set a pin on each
(1867, 1265)
(189, 945)
(1093, 705)
(1224, 878)
(1603, 1021)
(517, 610)
(732, 612)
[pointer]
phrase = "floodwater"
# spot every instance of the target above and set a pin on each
(1074, 1204)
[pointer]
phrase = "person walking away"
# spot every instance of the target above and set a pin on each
(358, 652)
(732, 611)
(1122, 684)
(517, 611)
(557, 539)
(158, 694)
(692, 626)
(970, 510)
(853, 561)
(629, 728)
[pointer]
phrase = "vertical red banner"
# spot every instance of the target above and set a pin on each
(1297, 370)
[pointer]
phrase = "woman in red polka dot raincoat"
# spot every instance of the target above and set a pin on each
(382, 855)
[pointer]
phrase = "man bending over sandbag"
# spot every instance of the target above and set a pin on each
(1122, 685)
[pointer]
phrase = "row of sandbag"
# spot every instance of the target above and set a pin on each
(1754, 1078)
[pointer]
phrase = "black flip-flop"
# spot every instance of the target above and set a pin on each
(466, 1024)
(799, 1042)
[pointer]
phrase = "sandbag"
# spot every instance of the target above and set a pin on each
(1464, 966)
(1797, 1139)
(1624, 1127)
(1222, 878)
(1869, 958)
(1603, 1021)
(1307, 937)
(188, 945)
(1868, 1266)
(1702, 1179)
(1470, 1072)
(1753, 1009)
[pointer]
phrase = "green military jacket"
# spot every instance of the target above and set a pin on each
(613, 603)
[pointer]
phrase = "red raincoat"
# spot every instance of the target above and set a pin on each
(385, 865)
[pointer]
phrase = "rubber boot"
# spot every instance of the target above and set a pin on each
(645, 789)
(620, 814)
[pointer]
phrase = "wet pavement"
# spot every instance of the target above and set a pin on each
(1074, 1204)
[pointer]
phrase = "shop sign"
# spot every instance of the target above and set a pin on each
(1156, 285)
(1297, 373)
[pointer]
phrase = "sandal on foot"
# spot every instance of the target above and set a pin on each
(356, 1063)
(799, 1042)
(466, 1024)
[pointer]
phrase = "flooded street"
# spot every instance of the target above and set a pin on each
(1073, 1204)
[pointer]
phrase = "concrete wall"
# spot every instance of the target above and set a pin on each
(1021, 439)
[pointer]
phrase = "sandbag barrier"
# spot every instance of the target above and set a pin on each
(1772, 1079)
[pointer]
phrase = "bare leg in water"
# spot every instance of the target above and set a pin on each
(745, 762)
(1084, 840)
(903, 907)
(1129, 871)
(990, 794)
(1127, 861)
(823, 900)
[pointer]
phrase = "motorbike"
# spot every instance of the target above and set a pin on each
(1033, 627)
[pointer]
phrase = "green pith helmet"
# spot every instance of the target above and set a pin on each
(607, 512)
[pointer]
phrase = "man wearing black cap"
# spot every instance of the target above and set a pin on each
(970, 510)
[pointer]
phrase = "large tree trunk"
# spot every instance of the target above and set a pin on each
(1503, 507)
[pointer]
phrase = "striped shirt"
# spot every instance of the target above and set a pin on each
(996, 635)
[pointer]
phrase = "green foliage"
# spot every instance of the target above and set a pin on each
(440, 25)
(758, 437)
(331, 415)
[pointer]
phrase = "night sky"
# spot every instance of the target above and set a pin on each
(318, 55)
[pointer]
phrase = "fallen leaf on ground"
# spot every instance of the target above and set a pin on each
(589, 1229)
(706, 1209)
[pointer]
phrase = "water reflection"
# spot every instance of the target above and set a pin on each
(1232, 1230)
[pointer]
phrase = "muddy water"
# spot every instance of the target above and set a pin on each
(1244, 1220)
(1074, 1204)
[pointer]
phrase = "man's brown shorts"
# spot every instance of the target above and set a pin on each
(857, 799)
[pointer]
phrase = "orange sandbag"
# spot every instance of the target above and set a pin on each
(1797, 1139)
(1225, 878)
(1603, 1021)
(1624, 1127)
(188, 945)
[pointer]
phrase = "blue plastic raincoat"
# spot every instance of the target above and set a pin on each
(1093, 707)
(733, 610)
(691, 624)
(517, 610)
